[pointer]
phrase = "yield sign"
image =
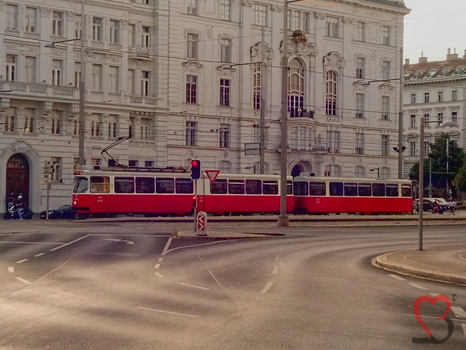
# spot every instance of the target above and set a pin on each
(212, 174)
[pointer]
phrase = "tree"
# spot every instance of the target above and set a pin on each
(444, 162)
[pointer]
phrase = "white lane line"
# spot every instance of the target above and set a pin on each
(267, 287)
(397, 277)
(165, 249)
(193, 286)
(417, 286)
(56, 269)
(21, 261)
(40, 254)
(157, 266)
(167, 312)
(275, 270)
(158, 274)
(23, 280)
(160, 259)
(11, 269)
(459, 312)
(69, 243)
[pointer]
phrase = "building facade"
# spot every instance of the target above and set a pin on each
(171, 81)
(435, 91)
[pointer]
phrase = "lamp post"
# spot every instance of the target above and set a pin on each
(82, 91)
(378, 171)
(283, 219)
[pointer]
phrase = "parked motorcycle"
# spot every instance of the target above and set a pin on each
(13, 214)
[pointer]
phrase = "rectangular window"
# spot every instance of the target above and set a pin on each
(359, 143)
(77, 26)
(225, 92)
(253, 187)
(113, 79)
(145, 185)
(360, 31)
(77, 74)
(360, 105)
(385, 145)
(10, 119)
(426, 120)
(57, 23)
(413, 98)
(454, 95)
(412, 119)
(412, 149)
(192, 7)
(219, 187)
(439, 119)
(184, 186)
(165, 185)
(257, 95)
(57, 69)
(57, 117)
(235, 186)
(224, 134)
(332, 27)
(333, 141)
(391, 190)
(100, 184)
(97, 77)
(360, 64)
(385, 35)
(97, 24)
(30, 69)
(385, 107)
(11, 17)
(270, 187)
(56, 168)
(145, 36)
(145, 83)
(317, 189)
(192, 45)
(386, 69)
(145, 129)
(378, 190)
(191, 89)
(440, 96)
(114, 31)
(225, 50)
(10, 67)
(124, 184)
(454, 117)
(224, 10)
(191, 130)
(112, 126)
(364, 190)
(96, 122)
(260, 14)
(336, 188)
(31, 20)
(350, 189)
(29, 120)
(426, 97)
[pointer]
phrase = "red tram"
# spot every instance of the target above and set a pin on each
(322, 195)
(149, 191)
(157, 191)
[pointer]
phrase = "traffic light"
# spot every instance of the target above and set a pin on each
(195, 169)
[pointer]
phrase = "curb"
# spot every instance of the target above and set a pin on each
(383, 261)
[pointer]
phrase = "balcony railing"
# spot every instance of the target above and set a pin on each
(301, 113)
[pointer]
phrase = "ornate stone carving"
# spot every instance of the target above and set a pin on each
(247, 3)
(256, 53)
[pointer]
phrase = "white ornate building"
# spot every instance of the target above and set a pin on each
(178, 76)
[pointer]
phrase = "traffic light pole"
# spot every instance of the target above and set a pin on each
(195, 205)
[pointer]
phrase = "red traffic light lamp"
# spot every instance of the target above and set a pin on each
(195, 169)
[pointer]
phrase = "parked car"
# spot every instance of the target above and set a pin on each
(430, 203)
(64, 212)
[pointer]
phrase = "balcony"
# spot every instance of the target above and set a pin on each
(300, 113)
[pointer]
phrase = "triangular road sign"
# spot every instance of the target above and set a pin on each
(212, 174)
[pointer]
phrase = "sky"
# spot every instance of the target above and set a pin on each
(432, 27)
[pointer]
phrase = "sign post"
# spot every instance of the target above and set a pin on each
(201, 223)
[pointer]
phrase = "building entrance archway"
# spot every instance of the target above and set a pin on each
(17, 178)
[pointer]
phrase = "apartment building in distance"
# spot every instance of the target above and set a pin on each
(176, 80)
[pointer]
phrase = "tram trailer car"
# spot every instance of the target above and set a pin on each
(113, 191)
(324, 195)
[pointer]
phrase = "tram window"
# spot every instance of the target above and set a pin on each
(100, 184)
(301, 188)
(218, 187)
(378, 190)
(236, 186)
(81, 184)
(289, 187)
(253, 187)
(364, 190)
(406, 191)
(165, 185)
(392, 190)
(317, 188)
(336, 188)
(124, 184)
(351, 189)
(145, 185)
(184, 186)
(270, 187)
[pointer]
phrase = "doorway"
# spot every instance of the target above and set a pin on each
(17, 178)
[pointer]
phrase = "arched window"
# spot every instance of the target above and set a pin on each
(224, 167)
(295, 87)
(331, 93)
(385, 173)
(332, 170)
(359, 171)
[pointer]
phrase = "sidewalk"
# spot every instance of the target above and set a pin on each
(444, 263)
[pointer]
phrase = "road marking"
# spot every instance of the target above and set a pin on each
(160, 259)
(156, 266)
(23, 280)
(40, 254)
(165, 249)
(397, 277)
(11, 269)
(417, 286)
(167, 312)
(69, 243)
(193, 286)
(459, 312)
(158, 274)
(21, 261)
(464, 328)
(267, 287)
(59, 267)
(275, 270)
(118, 240)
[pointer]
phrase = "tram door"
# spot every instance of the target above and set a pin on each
(17, 178)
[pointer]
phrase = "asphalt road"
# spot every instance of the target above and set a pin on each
(88, 285)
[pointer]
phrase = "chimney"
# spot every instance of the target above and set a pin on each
(422, 59)
(464, 55)
(407, 59)
(452, 56)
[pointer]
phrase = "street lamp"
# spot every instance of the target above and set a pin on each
(376, 169)
(421, 174)
(283, 219)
